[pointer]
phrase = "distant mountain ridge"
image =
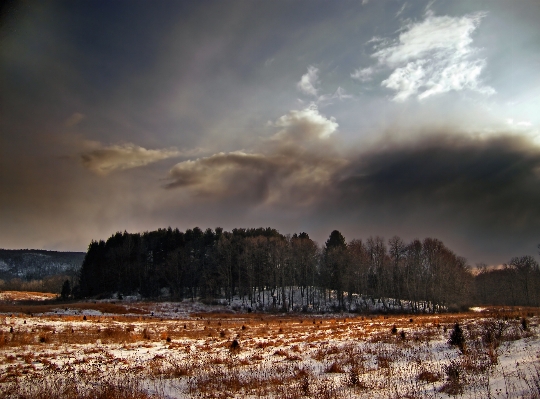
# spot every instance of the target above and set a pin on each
(34, 264)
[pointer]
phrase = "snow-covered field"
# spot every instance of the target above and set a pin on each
(180, 350)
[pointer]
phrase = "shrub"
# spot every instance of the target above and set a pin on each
(235, 346)
(457, 338)
(454, 379)
(524, 324)
(354, 377)
(428, 376)
(334, 368)
(305, 379)
(146, 334)
(493, 332)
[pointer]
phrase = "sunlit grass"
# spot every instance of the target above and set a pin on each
(262, 355)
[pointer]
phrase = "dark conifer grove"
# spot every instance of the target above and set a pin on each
(264, 268)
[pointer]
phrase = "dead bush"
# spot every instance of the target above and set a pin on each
(44, 338)
(384, 361)
(280, 352)
(354, 377)
(305, 381)
(492, 332)
(146, 334)
(334, 367)
(235, 346)
(428, 376)
(454, 378)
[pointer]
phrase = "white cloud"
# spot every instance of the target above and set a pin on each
(309, 81)
(292, 178)
(406, 81)
(364, 74)
(295, 166)
(524, 128)
(305, 124)
(103, 160)
(512, 122)
(401, 10)
(440, 37)
(340, 94)
(431, 57)
(308, 85)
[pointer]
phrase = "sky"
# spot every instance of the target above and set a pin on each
(373, 117)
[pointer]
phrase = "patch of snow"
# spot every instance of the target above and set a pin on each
(477, 309)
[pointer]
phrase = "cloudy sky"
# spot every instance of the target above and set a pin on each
(382, 117)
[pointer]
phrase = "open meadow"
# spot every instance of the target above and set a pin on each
(182, 350)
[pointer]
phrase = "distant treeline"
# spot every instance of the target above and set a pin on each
(32, 264)
(265, 268)
(38, 270)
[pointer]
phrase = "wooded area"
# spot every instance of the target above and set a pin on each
(37, 270)
(265, 268)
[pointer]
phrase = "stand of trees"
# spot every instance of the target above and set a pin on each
(266, 269)
(38, 270)
(35, 264)
(516, 283)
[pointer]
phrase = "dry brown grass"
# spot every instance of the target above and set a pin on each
(26, 296)
(279, 356)
(34, 307)
(63, 387)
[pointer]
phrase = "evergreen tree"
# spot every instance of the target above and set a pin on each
(66, 290)
(335, 262)
(457, 338)
(336, 240)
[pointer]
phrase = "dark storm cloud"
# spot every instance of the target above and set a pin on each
(493, 183)
(453, 186)
(479, 195)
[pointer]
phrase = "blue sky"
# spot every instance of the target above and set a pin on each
(389, 117)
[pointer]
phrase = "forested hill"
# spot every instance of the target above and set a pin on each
(34, 264)
(266, 268)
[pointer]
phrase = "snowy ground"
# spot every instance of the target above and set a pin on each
(178, 350)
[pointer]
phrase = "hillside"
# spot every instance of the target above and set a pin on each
(34, 264)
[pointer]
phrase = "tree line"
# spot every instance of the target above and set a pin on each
(269, 270)
(515, 283)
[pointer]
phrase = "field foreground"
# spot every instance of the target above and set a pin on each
(161, 350)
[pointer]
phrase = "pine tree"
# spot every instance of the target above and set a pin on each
(457, 338)
(66, 290)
